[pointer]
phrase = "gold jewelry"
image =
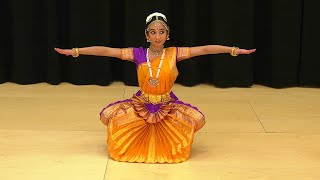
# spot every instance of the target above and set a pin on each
(232, 53)
(156, 52)
(156, 99)
(154, 82)
(159, 22)
(76, 52)
(157, 15)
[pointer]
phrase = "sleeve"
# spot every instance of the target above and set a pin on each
(183, 53)
(127, 54)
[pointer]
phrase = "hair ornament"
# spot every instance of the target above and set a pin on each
(157, 15)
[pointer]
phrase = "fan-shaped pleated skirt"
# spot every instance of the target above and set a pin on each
(131, 138)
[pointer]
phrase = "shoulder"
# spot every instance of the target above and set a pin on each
(132, 53)
(172, 49)
(139, 51)
(179, 48)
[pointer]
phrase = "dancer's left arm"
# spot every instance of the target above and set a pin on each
(218, 49)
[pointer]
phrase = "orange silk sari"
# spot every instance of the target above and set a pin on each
(153, 126)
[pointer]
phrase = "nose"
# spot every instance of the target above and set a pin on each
(158, 35)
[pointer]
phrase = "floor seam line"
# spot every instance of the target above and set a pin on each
(257, 116)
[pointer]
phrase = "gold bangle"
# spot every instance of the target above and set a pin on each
(76, 52)
(232, 53)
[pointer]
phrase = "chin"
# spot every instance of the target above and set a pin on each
(158, 44)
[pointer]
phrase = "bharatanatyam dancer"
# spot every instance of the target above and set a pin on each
(153, 126)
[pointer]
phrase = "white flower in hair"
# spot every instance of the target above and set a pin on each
(149, 18)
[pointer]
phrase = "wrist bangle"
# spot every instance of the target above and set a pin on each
(232, 53)
(76, 52)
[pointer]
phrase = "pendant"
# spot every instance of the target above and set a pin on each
(153, 82)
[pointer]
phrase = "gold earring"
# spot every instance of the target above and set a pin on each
(148, 40)
(168, 38)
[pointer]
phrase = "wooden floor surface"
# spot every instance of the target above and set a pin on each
(52, 132)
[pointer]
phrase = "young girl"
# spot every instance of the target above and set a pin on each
(153, 126)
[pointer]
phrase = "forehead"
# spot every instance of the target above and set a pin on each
(156, 25)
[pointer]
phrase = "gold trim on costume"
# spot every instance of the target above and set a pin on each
(189, 115)
(127, 54)
(115, 110)
(183, 53)
(155, 99)
(143, 111)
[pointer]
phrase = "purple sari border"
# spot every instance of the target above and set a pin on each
(117, 102)
(154, 107)
(189, 105)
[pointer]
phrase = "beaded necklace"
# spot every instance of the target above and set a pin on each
(154, 82)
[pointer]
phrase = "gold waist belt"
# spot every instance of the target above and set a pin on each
(155, 99)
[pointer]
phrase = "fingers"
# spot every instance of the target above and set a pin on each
(245, 51)
(62, 51)
(252, 50)
(59, 50)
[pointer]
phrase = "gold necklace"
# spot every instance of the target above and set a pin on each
(154, 82)
(156, 52)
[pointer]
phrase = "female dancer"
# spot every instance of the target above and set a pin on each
(153, 126)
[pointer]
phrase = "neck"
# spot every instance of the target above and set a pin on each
(154, 48)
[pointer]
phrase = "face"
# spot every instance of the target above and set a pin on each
(157, 34)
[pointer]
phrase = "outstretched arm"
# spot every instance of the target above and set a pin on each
(218, 49)
(93, 50)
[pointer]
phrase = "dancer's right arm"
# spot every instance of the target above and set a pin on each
(92, 50)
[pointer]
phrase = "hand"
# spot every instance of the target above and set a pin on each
(66, 52)
(244, 51)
